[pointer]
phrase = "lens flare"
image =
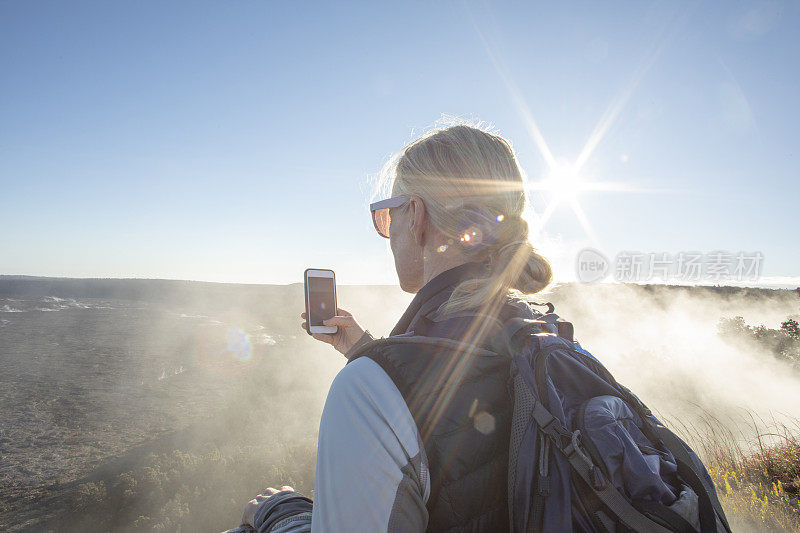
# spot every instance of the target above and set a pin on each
(239, 345)
(472, 237)
(222, 350)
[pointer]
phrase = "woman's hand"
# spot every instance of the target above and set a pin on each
(347, 335)
(252, 506)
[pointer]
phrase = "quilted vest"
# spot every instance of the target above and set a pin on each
(460, 400)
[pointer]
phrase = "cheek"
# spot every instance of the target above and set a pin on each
(395, 234)
(394, 243)
(398, 242)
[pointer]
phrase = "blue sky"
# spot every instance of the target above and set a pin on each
(233, 141)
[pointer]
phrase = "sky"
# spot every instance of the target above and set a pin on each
(236, 141)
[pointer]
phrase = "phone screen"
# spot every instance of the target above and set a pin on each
(320, 300)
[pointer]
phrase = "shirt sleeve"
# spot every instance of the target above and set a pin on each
(372, 474)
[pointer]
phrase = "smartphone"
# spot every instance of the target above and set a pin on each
(320, 285)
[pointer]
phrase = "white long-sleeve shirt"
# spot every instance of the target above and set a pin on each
(372, 473)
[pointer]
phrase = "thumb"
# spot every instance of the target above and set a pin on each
(341, 321)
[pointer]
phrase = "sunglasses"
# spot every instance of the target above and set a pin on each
(381, 213)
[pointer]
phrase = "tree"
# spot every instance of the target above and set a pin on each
(791, 328)
(732, 326)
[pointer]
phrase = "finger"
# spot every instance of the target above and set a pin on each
(303, 324)
(303, 314)
(287, 487)
(343, 312)
(324, 337)
(270, 491)
(343, 321)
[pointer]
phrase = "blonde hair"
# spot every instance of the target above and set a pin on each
(473, 190)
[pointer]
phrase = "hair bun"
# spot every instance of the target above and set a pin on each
(518, 266)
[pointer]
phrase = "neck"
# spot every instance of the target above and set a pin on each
(438, 263)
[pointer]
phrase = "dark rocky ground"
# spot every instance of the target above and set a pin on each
(96, 375)
(88, 382)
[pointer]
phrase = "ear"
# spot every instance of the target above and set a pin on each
(419, 218)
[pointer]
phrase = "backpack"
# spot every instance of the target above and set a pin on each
(585, 454)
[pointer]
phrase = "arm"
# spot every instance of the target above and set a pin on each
(372, 473)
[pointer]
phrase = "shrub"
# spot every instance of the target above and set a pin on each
(184, 491)
(758, 480)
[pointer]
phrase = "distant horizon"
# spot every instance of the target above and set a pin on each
(790, 286)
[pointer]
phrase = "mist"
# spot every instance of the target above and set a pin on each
(134, 404)
(663, 343)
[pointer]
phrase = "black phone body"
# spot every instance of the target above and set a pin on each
(320, 296)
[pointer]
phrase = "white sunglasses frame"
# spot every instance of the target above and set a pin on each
(388, 203)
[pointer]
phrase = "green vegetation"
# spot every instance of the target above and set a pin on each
(754, 493)
(783, 343)
(202, 481)
(758, 482)
(183, 491)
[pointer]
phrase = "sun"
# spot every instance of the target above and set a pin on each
(563, 182)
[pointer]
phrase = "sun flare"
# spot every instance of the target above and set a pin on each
(564, 182)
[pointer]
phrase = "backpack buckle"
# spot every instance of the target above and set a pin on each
(596, 476)
(574, 447)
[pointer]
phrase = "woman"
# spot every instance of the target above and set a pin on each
(411, 439)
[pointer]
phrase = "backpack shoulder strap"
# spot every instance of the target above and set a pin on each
(374, 345)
